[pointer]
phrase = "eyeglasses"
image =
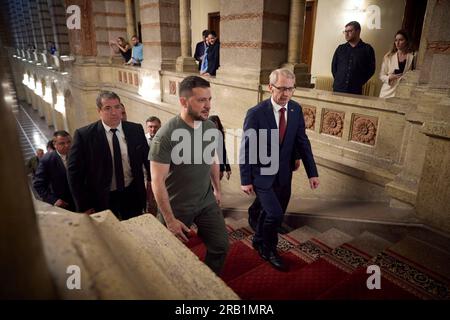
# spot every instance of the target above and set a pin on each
(348, 31)
(284, 89)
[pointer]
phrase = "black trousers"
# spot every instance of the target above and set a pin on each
(274, 202)
(126, 204)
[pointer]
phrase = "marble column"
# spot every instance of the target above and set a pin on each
(129, 19)
(296, 28)
(185, 63)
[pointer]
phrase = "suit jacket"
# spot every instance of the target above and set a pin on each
(390, 64)
(50, 180)
(213, 58)
(90, 166)
(199, 52)
(295, 145)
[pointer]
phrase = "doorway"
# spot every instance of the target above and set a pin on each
(308, 33)
(214, 22)
(413, 20)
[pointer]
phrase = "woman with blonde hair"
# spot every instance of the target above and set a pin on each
(396, 63)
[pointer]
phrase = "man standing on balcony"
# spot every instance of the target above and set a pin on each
(106, 160)
(200, 49)
(137, 52)
(353, 62)
(278, 124)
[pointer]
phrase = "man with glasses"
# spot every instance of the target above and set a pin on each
(105, 162)
(281, 121)
(353, 62)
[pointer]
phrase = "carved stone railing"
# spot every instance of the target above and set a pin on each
(133, 259)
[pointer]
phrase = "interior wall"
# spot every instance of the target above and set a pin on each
(333, 15)
(199, 18)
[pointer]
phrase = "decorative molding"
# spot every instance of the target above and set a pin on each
(154, 25)
(441, 47)
(172, 87)
(364, 129)
(332, 123)
(109, 14)
(154, 5)
(252, 16)
(253, 45)
(161, 43)
(110, 29)
(309, 114)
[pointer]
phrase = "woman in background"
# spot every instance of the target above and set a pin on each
(395, 63)
(224, 164)
(120, 45)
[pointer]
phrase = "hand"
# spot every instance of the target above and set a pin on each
(248, 189)
(90, 211)
(297, 164)
(218, 197)
(394, 77)
(60, 203)
(178, 228)
(314, 182)
(228, 175)
(221, 175)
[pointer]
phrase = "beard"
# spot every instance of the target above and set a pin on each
(196, 116)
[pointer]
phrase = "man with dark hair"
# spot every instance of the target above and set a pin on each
(179, 205)
(33, 162)
(152, 124)
(353, 62)
(106, 160)
(137, 54)
(212, 56)
(200, 49)
(50, 181)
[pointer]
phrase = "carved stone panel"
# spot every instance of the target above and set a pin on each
(309, 114)
(172, 87)
(332, 122)
(364, 129)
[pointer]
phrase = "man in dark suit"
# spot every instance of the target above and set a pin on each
(200, 48)
(50, 180)
(281, 121)
(106, 162)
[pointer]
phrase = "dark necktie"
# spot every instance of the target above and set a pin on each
(118, 169)
(282, 124)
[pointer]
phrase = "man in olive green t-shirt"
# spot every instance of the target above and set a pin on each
(186, 173)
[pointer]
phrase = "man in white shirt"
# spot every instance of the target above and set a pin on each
(106, 160)
(50, 181)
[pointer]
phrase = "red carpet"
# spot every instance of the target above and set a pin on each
(319, 272)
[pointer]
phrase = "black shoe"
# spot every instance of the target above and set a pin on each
(259, 248)
(275, 260)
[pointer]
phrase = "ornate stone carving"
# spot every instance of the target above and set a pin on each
(309, 114)
(332, 123)
(172, 87)
(364, 129)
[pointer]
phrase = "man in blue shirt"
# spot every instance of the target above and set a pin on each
(137, 54)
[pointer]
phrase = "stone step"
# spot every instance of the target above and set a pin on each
(333, 238)
(238, 224)
(424, 254)
(370, 243)
(303, 234)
